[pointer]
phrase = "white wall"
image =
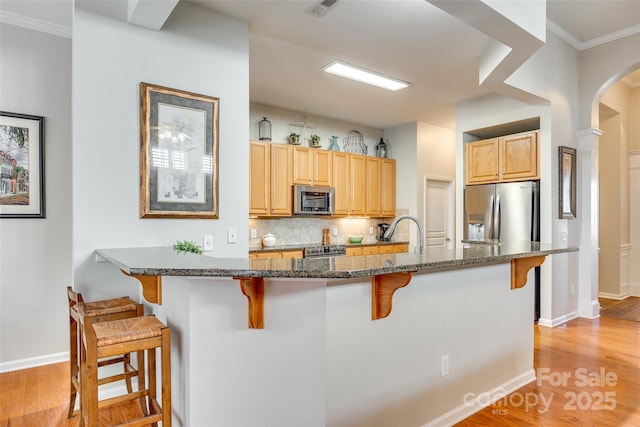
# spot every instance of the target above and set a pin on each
(198, 51)
(35, 254)
(558, 126)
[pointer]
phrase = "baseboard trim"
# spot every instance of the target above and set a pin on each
(613, 296)
(561, 320)
(33, 362)
(589, 309)
(482, 400)
(634, 289)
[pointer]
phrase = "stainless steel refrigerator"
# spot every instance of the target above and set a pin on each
(500, 213)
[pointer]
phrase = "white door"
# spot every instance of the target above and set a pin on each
(438, 212)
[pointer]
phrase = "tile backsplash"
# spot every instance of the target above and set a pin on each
(303, 230)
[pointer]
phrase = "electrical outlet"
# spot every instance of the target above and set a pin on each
(207, 243)
(371, 230)
(444, 365)
(573, 289)
(334, 231)
(232, 235)
(99, 258)
(254, 234)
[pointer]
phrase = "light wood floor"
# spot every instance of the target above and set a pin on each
(628, 308)
(605, 345)
(38, 396)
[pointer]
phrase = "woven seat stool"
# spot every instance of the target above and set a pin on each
(105, 339)
(104, 310)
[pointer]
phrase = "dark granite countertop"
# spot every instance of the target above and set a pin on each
(164, 261)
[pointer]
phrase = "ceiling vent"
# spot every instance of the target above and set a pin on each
(323, 8)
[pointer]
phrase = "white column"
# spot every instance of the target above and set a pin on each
(588, 146)
(634, 226)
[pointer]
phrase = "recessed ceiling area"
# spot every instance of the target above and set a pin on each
(411, 40)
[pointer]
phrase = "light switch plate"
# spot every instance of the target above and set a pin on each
(232, 235)
(207, 243)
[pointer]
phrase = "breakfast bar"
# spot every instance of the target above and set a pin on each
(341, 340)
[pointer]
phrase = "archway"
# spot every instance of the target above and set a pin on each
(600, 68)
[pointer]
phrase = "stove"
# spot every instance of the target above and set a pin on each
(324, 251)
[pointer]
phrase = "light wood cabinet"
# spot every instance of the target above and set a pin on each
(370, 250)
(374, 181)
(276, 254)
(322, 167)
(259, 187)
(294, 254)
(519, 157)
(388, 188)
(312, 166)
(354, 251)
(377, 249)
(401, 247)
(482, 161)
(302, 165)
(364, 185)
(281, 204)
(265, 255)
(358, 187)
(504, 159)
(341, 183)
(270, 179)
(386, 249)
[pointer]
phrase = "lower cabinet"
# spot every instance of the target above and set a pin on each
(276, 254)
(350, 251)
(378, 249)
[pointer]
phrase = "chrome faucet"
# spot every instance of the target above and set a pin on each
(392, 228)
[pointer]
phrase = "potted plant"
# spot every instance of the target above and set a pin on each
(314, 140)
(294, 138)
(184, 246)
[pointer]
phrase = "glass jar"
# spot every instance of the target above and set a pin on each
(381, 149)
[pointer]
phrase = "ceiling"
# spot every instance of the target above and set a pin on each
(412, 40)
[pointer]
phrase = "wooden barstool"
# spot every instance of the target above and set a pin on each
(104, 310)
(105, 339)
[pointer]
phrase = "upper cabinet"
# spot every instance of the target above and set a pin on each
(312, 166)
(364, 185)
(503, 159)
(270, 173)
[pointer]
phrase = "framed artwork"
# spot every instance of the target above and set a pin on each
(22, 167)
(567, 180)
(179, 153)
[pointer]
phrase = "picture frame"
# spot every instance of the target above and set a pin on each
(178, 153)
(567, 182)
(22, 166)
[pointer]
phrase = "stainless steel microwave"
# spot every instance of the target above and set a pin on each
(312, 200)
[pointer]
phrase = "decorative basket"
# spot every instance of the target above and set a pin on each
(354, 143)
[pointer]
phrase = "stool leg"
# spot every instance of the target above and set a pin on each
(166, 377)
(90, 381)
(141, 380)
(73, 363)
(151, 374)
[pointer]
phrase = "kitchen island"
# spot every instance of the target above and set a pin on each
(324, 347)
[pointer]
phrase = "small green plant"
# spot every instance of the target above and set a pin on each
(185, 246)
(294, 138)
(315, 139)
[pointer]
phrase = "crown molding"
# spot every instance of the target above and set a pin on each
(35, 24)
(564, 35)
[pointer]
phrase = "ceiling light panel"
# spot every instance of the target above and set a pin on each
(365, 76)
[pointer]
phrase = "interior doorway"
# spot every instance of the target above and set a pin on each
(438, 212)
